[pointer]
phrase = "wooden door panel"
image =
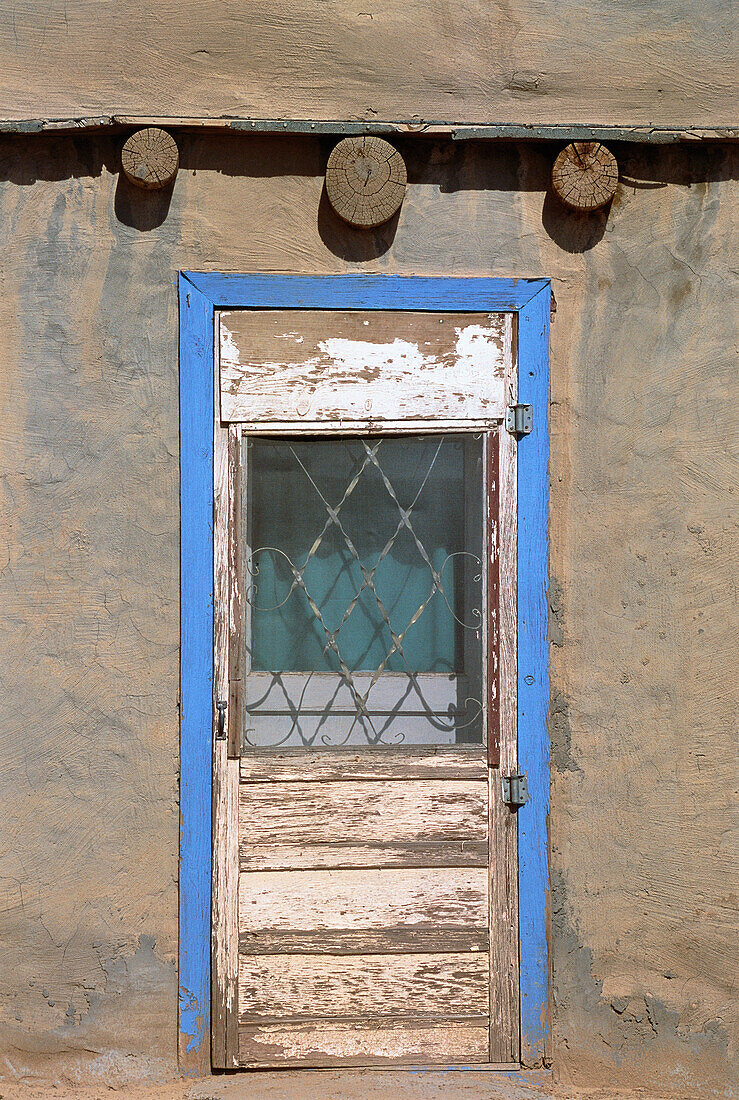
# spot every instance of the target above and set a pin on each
(395, 940)
(314, 369)
(359, 1043)
(387, 901)
(308, 825)
(333, 765)
(341, 855)
(282, 987)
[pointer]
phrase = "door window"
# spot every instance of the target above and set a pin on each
(363, 591)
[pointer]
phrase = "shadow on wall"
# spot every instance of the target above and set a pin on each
(140, 209)
(447, 166)
(573, 231)
(351, 244)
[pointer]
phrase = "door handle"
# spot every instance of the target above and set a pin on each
(221, 707)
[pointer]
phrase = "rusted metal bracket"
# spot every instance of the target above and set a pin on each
(515, 790)
(456, 131)
(519, 419)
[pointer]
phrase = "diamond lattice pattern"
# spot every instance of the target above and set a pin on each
(365, 565)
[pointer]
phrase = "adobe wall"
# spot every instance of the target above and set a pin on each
(669, 64)
(642, 651)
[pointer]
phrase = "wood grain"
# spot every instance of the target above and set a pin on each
(418, 823)
(378, 941)
(336, 765)
(150, 158)
(236, 479)
(221, 593)
(504, 1023)
(287, 369)
(585, 175)
(224, 924)
(436, 987)
(357, 868)
(363, 1043)
(225, 937)
(492, 598)
(365, 180)
(275, 905)
(341, 854)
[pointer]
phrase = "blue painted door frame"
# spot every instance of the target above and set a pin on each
(200, 295)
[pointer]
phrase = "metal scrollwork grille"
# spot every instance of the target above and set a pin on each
(387, 530)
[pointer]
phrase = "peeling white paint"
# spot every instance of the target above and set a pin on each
(454, 374)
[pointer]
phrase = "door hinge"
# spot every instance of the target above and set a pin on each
(515, 790)
(519, 419)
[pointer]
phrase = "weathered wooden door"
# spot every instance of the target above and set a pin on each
(364, 894)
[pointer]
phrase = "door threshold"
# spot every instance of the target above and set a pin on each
(397, 1067)
(497, 1080)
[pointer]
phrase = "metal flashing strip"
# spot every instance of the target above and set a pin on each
(455, 131)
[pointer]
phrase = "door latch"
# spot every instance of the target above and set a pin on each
(221, 707)
(515, 790)
(519, 419)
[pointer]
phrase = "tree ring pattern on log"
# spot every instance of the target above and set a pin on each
(150, 158)
(585, 175)
(365, 180)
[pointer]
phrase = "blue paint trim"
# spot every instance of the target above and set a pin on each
(200, 295)
(196, 673)
(533, 675)
(364, 292)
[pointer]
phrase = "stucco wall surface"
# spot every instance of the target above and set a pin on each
(642, 593)
(633, 61)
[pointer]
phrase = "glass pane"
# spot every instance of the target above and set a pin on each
(365, 570)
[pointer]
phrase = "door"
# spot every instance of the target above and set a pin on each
(364, 893)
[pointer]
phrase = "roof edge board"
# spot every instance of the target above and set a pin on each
(499, 131)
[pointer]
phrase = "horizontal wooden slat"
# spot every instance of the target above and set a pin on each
(438, 900)
(334, 765)
(421, 823)
(361, 1043)
(318, 428)
(279, 987)
(287, 857)
(298, 367)
(387, 941)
